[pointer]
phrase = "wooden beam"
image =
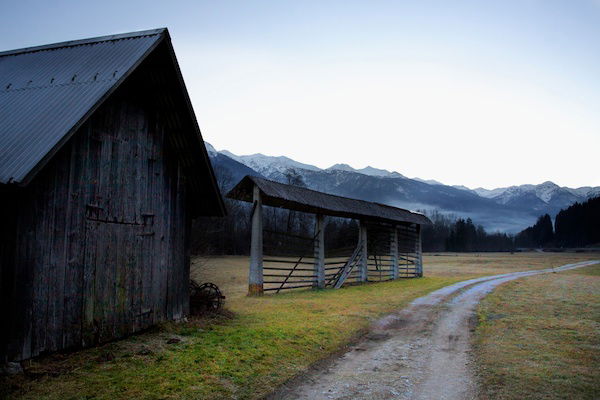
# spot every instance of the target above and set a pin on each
(394, 252)
(255, 276)
(362, 265)
(319, 250)
(419, 254)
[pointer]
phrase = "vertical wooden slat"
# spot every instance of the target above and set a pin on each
(186, 266)
(151, 271)
(135, 290)
(178, 270)
(394, 252)
(8, 234)
(255, 275)
(169, 193)
(87, 255)
(418, 251)
(19, 335)
(40, 261)
(319, 251)
(364, 258)
(58, 261)
(89, 328)
(156, 178)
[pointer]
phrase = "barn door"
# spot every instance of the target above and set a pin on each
(119, 224)
(111, 279)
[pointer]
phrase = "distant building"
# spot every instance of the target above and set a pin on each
(102, 167)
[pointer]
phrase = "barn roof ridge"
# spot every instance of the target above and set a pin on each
(82, 42)
(309, 200)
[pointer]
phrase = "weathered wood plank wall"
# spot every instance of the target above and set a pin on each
(8, 202)
(102, 234)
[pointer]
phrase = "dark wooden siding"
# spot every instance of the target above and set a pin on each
(8, 228)
(100, 236)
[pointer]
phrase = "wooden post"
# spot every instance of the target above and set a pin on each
(394, 252)
(255, 275)
(363, 264)
(419, 258)
(319, 251)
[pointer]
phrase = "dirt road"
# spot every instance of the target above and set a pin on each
(421, 352)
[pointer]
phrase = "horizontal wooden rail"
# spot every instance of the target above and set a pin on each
(287, 269)
(287, 261)
(288, 287)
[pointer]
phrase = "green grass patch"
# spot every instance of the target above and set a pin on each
(265, 341)
(539, 338)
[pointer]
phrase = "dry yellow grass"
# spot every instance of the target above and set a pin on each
(460, 264)
(539, 338)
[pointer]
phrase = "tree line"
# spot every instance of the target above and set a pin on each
(576, 226)
(231, 234)
(449, 233)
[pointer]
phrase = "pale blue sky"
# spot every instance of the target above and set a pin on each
(480, 93)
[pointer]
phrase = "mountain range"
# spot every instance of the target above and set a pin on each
(508, 209)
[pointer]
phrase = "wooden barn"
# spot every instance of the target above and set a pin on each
(102, 168)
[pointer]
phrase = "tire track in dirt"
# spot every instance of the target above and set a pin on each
(420, 352)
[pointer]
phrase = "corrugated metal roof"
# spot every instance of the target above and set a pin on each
(302, 199)
(46, 92)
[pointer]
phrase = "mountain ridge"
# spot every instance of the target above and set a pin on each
(507, 209)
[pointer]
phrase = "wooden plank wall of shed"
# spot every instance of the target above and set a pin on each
(102, 236)
(8, 201)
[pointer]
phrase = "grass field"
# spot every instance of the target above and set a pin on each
(257, 345)
(539, 338)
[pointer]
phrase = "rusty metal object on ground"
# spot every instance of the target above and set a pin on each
(205, 298)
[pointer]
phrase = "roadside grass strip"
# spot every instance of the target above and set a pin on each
(539, 337)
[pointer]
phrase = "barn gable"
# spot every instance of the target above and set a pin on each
(48, 92)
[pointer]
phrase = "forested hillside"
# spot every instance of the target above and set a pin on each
(579, 225)
(575, 226)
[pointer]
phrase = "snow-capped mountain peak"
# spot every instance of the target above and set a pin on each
(461, 187)
(427, 181)
(341, 167)
(212, 152)
(368, 170)
(546, 192)
(586, 191)
(275, 167)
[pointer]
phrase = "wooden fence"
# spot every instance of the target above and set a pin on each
(382, 252)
